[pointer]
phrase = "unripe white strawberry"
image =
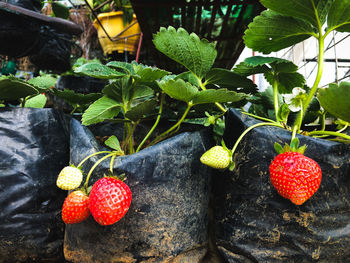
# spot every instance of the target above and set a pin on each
(69, 178)
(217, 157)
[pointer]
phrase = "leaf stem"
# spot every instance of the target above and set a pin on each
(155, 124)
(275, 98)
(202, 86)
(330, 133)
(251, 128)
(93, 168)
(91, 155)
(175, 126)
(258, 117)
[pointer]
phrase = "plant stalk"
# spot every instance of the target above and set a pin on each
(93, 168)
(175, 126)
(330, 133)
(91, 155)
(202, 86)
(275, 98)
(155, 124)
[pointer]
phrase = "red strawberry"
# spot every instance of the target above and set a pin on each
(295, 176)
(110, 199)
(75, 208)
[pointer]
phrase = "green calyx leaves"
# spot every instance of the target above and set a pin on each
(293, 147)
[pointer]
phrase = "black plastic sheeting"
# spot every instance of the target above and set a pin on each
(168, 216)
(54, 50)
(255, 224)
(81, 84)
(34, 147)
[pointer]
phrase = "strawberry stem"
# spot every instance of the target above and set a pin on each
(155, 124)
(251, 128)
(91, 155)
(93, 168)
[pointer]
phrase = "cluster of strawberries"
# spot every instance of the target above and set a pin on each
(108, 200)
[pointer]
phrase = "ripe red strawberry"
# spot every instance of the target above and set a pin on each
(295, 176)
(75, 208)
(110, 199)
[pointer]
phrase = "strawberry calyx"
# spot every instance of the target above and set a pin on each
(292, 147)
(121, 177)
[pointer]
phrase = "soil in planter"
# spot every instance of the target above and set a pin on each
(168, 217)
(255, 224)
(34, 148)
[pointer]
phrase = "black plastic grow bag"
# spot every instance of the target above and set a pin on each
(255, 224)
(34, 148)
(168, 216)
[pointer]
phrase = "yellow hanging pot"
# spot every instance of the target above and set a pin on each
(125, 38)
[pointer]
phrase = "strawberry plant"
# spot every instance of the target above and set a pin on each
(288, 103)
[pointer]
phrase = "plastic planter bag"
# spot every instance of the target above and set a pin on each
(255, 224)
(168, 216)
(34, 148)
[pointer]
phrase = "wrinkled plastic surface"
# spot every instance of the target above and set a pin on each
(19, 35)
(168, 216)
(54, 50)
(34, 147)
(255, 224)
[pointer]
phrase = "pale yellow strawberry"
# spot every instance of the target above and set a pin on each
(217, 157)
(69, 178)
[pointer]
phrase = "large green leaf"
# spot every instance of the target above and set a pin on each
(120, 90)
(113, 91)
(272, 32)
(38, 101)
(197, 55)
(141, 110)
(121, 66)
(103, 108)
(286, 81)
(12, 88)
(339, 16)
(179, 89)
(113, 143)
(335, 99)
(76, 98)
(43, 83)
(246, 70)
(228, 79)
(149, 74)
(277, 64)
(220, 95)
(309, 10)
(98, 70)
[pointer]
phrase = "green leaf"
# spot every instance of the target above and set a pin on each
(220, 95)
(113, 143)
(141, 91)
(272, 32)
(76, 98)
(60, 10)
(335, 99)
(283, 112)
(339, 16)
(244, 69)
(309, 10)
(12, 88)
(230, 80)
(98, 70)
(278, 64)
(286, 81)
(103, 108)
(188, 76)
(149, 74)
(43, 83)
(113, 91)
(197, 55)
(141, 110)
(122, 66)
(179, 89)
(278, 148)
(38, 101)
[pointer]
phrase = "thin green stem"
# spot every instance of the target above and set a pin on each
(202, 86)
(155, 124)
(294, 133)
(93, 168)
(330, 133)
(129, 137)
(111, 163)
(251, 128)
(258, 117)
(91, 155)
(275, 98)
(175, 126)
(313, 90)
